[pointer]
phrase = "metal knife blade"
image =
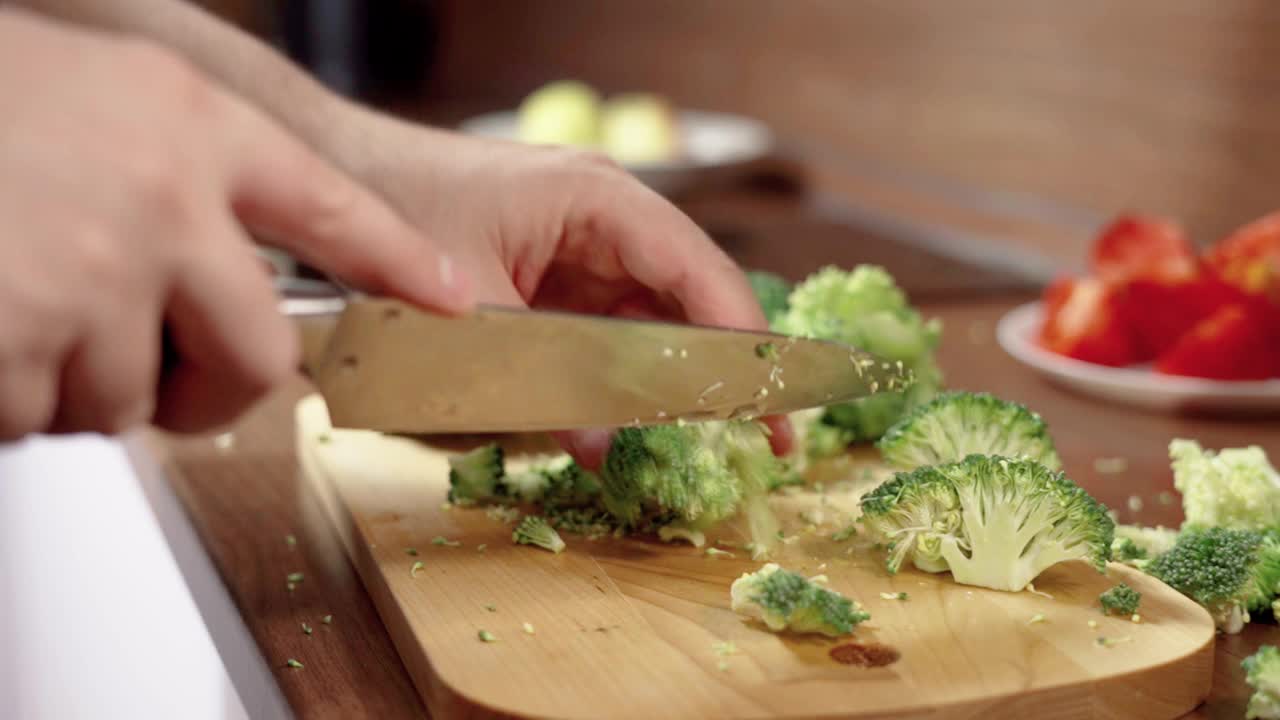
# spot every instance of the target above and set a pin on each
(386, 366)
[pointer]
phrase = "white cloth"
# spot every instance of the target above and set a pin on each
(96, 620)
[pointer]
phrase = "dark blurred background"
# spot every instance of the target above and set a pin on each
(1005, 124)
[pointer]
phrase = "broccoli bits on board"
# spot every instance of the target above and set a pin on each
(1230, 572)
(1262, 672)
(991, 521)
(784, 600)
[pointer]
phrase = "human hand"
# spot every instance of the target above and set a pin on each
(128, 188)
(558, 229)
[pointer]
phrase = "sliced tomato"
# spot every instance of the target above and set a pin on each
(1084, 319)
(1134, 246)
(1237, 342)
(1249, 258)
(1161, 312)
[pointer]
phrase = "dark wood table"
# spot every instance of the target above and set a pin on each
(243, 502)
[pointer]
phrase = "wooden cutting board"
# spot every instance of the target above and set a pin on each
(626, 628)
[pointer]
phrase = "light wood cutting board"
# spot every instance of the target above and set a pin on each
(626, 628)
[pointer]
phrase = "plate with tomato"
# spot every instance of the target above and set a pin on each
(1155, 323)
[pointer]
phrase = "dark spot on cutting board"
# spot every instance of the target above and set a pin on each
(349, 362)
(391, 313)
(868, 655)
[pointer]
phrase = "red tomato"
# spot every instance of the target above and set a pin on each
(1084, 320)
(1134, 246)
(1237, 342)
(1160, 313)
(1249, 258)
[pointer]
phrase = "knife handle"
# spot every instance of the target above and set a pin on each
(314, 306)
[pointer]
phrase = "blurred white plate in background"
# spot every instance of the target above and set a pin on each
(712, 144)
(1135, 386)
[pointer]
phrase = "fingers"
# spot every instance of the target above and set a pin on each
(588, 447)
(310, 209)
(233, 344)
(111, 375)
(28, 398)
(782, 436)
(664, 250)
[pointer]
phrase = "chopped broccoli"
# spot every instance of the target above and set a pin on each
(1135, 545)
(866, 309)
(955, 425)
(534, 530)
(589, 522)
(1120, 600)
(1235, 488)
(787, 601)
(1262, 672)
(474, 476)
(694, 475)
(991, 521)
(1230, 572)
(823, 438)
(771, 292)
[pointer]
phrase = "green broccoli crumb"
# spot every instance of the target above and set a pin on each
(293, 664)
(306, 629)
(844, 534)
(445, 542)
(534, 530)
(784, 600)
(717, 552)
(291, 541)
(417, 566)
(294, 577)
(411, 552)
(894, 596)
(1120, 600)
(327, 619)
(1262, 672)
(490, 607)
(486, 636)
(1037, 619)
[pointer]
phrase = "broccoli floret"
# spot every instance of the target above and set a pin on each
(1235, 488)
(589, 522)
(991, 521)
(693, 475)
(1135, 545)
(534, 530)
(866, 309)
(1120, 600)
(955, 425)
(558, 482)
(1262, 672)
(771, 292)
(476, 476)
(1230, 572)
(787, 601)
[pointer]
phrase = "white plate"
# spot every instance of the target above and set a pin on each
(1136, 386)
(711, 144)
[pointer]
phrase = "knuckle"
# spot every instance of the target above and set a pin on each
(180, 81)
(332, 204)
(273, 363)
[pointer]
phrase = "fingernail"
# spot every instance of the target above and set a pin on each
(456, 295)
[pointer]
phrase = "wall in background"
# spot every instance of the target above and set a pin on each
(1044, 116)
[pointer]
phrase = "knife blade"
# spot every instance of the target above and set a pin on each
(383, 365)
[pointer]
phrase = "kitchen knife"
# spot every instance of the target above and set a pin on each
(383, 365)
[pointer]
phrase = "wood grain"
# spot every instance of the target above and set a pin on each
(652, 612)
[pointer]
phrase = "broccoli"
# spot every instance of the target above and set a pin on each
(866, 309)
(787, 601)
(534, 530)
(692, 475)
(676, 531)
(771, 292)
(955, 425)
(1230, 572)
(589, 522)
(992, 521)
(475, 476)
(1262, 672)
(1120, 600)
(1135, 545)
(1235, 488)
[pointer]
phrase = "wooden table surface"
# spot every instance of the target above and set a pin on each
(244, 500)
